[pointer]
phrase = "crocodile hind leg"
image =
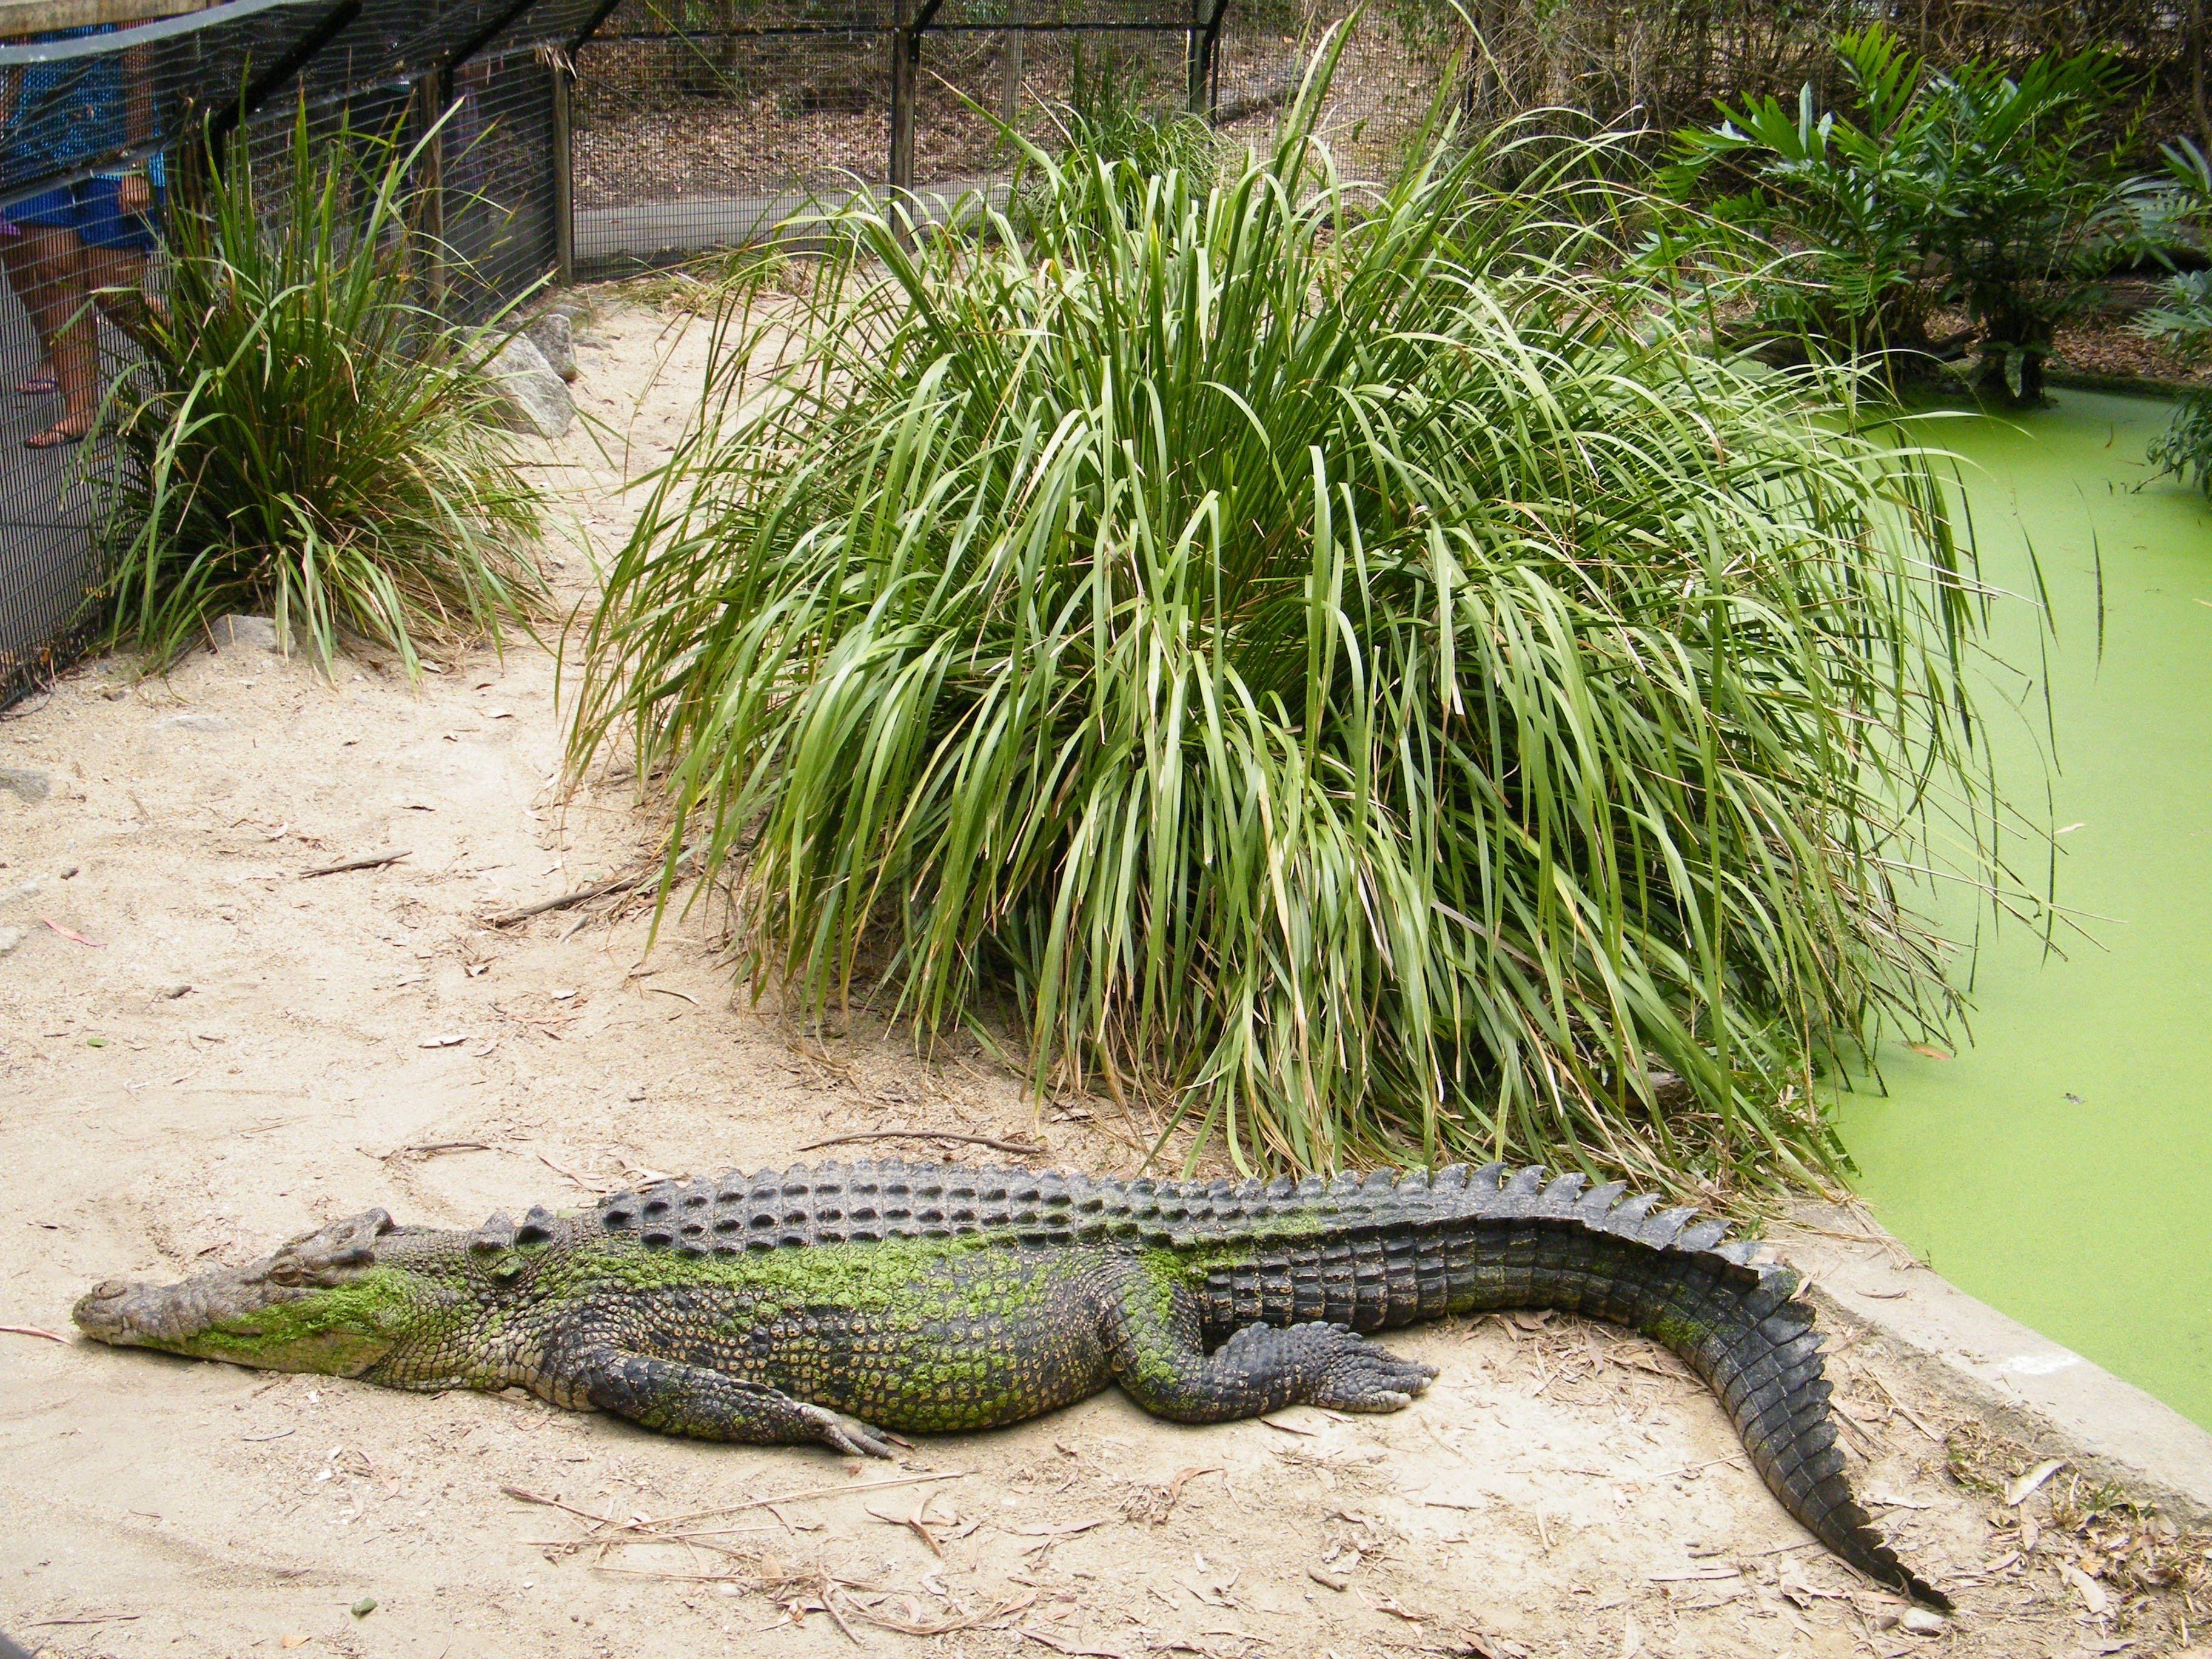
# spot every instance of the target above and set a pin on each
(710, 1405)
(1152, 1343)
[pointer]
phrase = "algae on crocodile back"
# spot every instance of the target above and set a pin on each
(2056, 1166)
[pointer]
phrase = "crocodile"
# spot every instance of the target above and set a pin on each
(846, 1302)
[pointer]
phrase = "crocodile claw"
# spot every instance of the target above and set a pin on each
(849, 1435)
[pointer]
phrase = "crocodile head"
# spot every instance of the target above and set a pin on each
(337, 1300)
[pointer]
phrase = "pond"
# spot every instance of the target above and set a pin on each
(2060, 1166)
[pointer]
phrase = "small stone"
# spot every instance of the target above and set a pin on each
(533, 398)
(69, 872)
(9, 938)
(242, 633)
(1924, 1621)
(363, 1607)
(555, 336)
(30, 889)
(28, 786)
(172, 991)
(193, 723)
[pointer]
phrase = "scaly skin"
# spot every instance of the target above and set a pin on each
(844, 1303)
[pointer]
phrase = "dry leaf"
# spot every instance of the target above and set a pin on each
(1930, 1050)
(2016, 1491)
(2092, 1592)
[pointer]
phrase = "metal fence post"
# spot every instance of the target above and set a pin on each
(906, 65)
(564, 181)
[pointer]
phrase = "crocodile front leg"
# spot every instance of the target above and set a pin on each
(1151, 1329)
(676, 1398)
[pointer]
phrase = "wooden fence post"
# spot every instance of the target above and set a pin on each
(431, 98)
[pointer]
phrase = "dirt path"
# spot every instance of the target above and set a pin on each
(204, 1051)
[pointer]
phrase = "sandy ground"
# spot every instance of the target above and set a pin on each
(203, 1049)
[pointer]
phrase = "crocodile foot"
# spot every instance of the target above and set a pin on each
(1358, 1375)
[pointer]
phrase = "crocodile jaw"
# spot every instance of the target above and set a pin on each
(320, 1303)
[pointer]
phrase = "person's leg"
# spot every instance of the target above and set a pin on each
(117, 279)
(17, 260)
(71, 333)
(117, 230)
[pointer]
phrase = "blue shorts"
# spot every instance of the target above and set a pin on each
(92, 208)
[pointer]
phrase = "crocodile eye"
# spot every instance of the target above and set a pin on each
(286, 1272)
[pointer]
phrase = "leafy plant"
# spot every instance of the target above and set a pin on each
(1112, 115)
(2003, 194)
(1353, 669)
(2184, 325)
(305, 437)
(2025, 202)
(1841, 194)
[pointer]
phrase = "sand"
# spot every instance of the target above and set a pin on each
(203, 1049)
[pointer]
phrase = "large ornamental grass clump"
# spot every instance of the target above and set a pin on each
(306, 437)
(1358, 676)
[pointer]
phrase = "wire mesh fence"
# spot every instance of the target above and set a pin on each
(94, 120)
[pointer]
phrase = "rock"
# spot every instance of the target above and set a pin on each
(194, 723)
(30, 889)
(1924, 1621)
(554, 336)
(24, 783)
(172, 991)
(532, 398)
(9, 938)
(243, 634)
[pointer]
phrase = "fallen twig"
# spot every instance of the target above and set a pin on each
(33, 1330)
(1020, 1148)
(528, 1497)
(373, 861)
(628, 882)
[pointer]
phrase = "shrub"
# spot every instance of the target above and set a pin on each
(2003, 194)
(305, 437)
(1112, 117)
(1838, 188)
(1345, 661)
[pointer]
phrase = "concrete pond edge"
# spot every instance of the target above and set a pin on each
(2059, 1404)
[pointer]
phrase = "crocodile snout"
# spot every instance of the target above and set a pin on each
(102, 1311)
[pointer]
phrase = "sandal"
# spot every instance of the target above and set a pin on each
(59, 436)
(40, 384)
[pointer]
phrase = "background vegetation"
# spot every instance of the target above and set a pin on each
(2183, 325)
(2005, 195)
(1349, 663)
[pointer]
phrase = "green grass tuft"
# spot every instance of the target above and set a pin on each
(305, 438)
(1348, 661)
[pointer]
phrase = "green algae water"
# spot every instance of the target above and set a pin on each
(2060, 1167)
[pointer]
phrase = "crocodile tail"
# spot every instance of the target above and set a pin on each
(1755, 1345)
(1736, 1320)
(1682, 1282)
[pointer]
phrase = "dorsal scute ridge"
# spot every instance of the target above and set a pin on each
(868, 1201)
